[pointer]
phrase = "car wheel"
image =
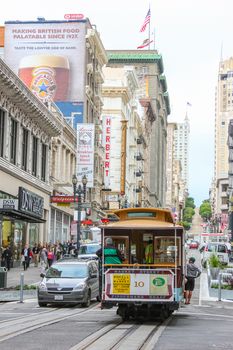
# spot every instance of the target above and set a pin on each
(42, 304)
(88, 300)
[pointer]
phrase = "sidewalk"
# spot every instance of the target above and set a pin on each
(31, 277)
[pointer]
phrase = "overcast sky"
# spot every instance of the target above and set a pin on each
(188, 33)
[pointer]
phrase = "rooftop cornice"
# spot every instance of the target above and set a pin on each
(93, 37)
(134, 56)
(116, 91)
(19, 93)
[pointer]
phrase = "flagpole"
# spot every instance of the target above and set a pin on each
(149, 31)
(154, 38)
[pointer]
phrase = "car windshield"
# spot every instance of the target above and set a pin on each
(67, 271)
(212, 248)
(89, 249)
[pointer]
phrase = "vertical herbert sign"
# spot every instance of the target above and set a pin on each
(106, 122)
(85, 152)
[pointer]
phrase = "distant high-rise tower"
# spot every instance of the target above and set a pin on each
(223, 113)
(181, 149)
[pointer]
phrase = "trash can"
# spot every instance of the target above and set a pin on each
(3, 277)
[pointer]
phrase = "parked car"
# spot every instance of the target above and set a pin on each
(69, 282)
(88, 251)
(193, 245)
(220, 249)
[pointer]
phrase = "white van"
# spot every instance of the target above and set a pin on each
(220, 249)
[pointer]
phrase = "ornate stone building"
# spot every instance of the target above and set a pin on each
(26, 130)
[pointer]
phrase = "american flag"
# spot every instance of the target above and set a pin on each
(146, 21)
(145, 43)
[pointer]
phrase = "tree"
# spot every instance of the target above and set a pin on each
(205, 210)
(186, 225)
(189, 202)
(188, 214)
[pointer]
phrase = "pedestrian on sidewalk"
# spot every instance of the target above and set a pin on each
(36, 252)
(43, 259)
(192, 272)
(7, 256)
(25, 254)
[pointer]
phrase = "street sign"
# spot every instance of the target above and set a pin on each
(81, 206)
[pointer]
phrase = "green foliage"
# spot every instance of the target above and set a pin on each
(189, 202)
(205, 210)
(186, 225)
(26, 287)
(214, 261)
(188, 214)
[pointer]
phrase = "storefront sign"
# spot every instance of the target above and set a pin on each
(63, 199)
(30, 203)
(138, 284)
(9, 204)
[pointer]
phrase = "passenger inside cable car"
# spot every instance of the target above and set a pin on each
(153, 250)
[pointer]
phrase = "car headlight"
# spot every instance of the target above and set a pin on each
(42, 286)
(80, 286)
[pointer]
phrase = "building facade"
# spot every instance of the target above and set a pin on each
(26, 130)
(181, 148)
(154, 98)
(223, 114)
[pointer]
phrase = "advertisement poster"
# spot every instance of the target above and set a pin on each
(139, 284)
(49, 57)
(85, 153)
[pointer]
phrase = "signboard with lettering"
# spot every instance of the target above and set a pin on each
(139, 284)
(9, 204)
(30, 203)
(85, 153)
(106, 123)
(63, 199)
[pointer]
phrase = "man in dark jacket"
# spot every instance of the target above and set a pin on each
(192, 272)
(7, 255)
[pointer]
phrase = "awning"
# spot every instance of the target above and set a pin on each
(87, 222)
(18, 215)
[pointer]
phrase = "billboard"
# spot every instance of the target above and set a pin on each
(49, 57)
(85, 152)
(72, 112)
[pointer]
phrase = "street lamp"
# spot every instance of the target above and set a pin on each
(79, 191)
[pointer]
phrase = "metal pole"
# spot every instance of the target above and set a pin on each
(219, 286)
(21, 287)
(79, 192)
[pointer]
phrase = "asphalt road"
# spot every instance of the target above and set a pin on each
(26, 326)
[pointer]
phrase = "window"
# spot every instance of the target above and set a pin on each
(2, 127)
(34, 155)
(43, 161)
(13, 140)
(24, 149)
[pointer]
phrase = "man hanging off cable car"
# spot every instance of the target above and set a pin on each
(112, 255)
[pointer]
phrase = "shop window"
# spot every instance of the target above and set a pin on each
(13, 140)
(25, 149)
(33, 234)
(52, 225)
(58, 234)
(43, 161)
(34, 155)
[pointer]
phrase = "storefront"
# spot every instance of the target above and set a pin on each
(19, 220)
